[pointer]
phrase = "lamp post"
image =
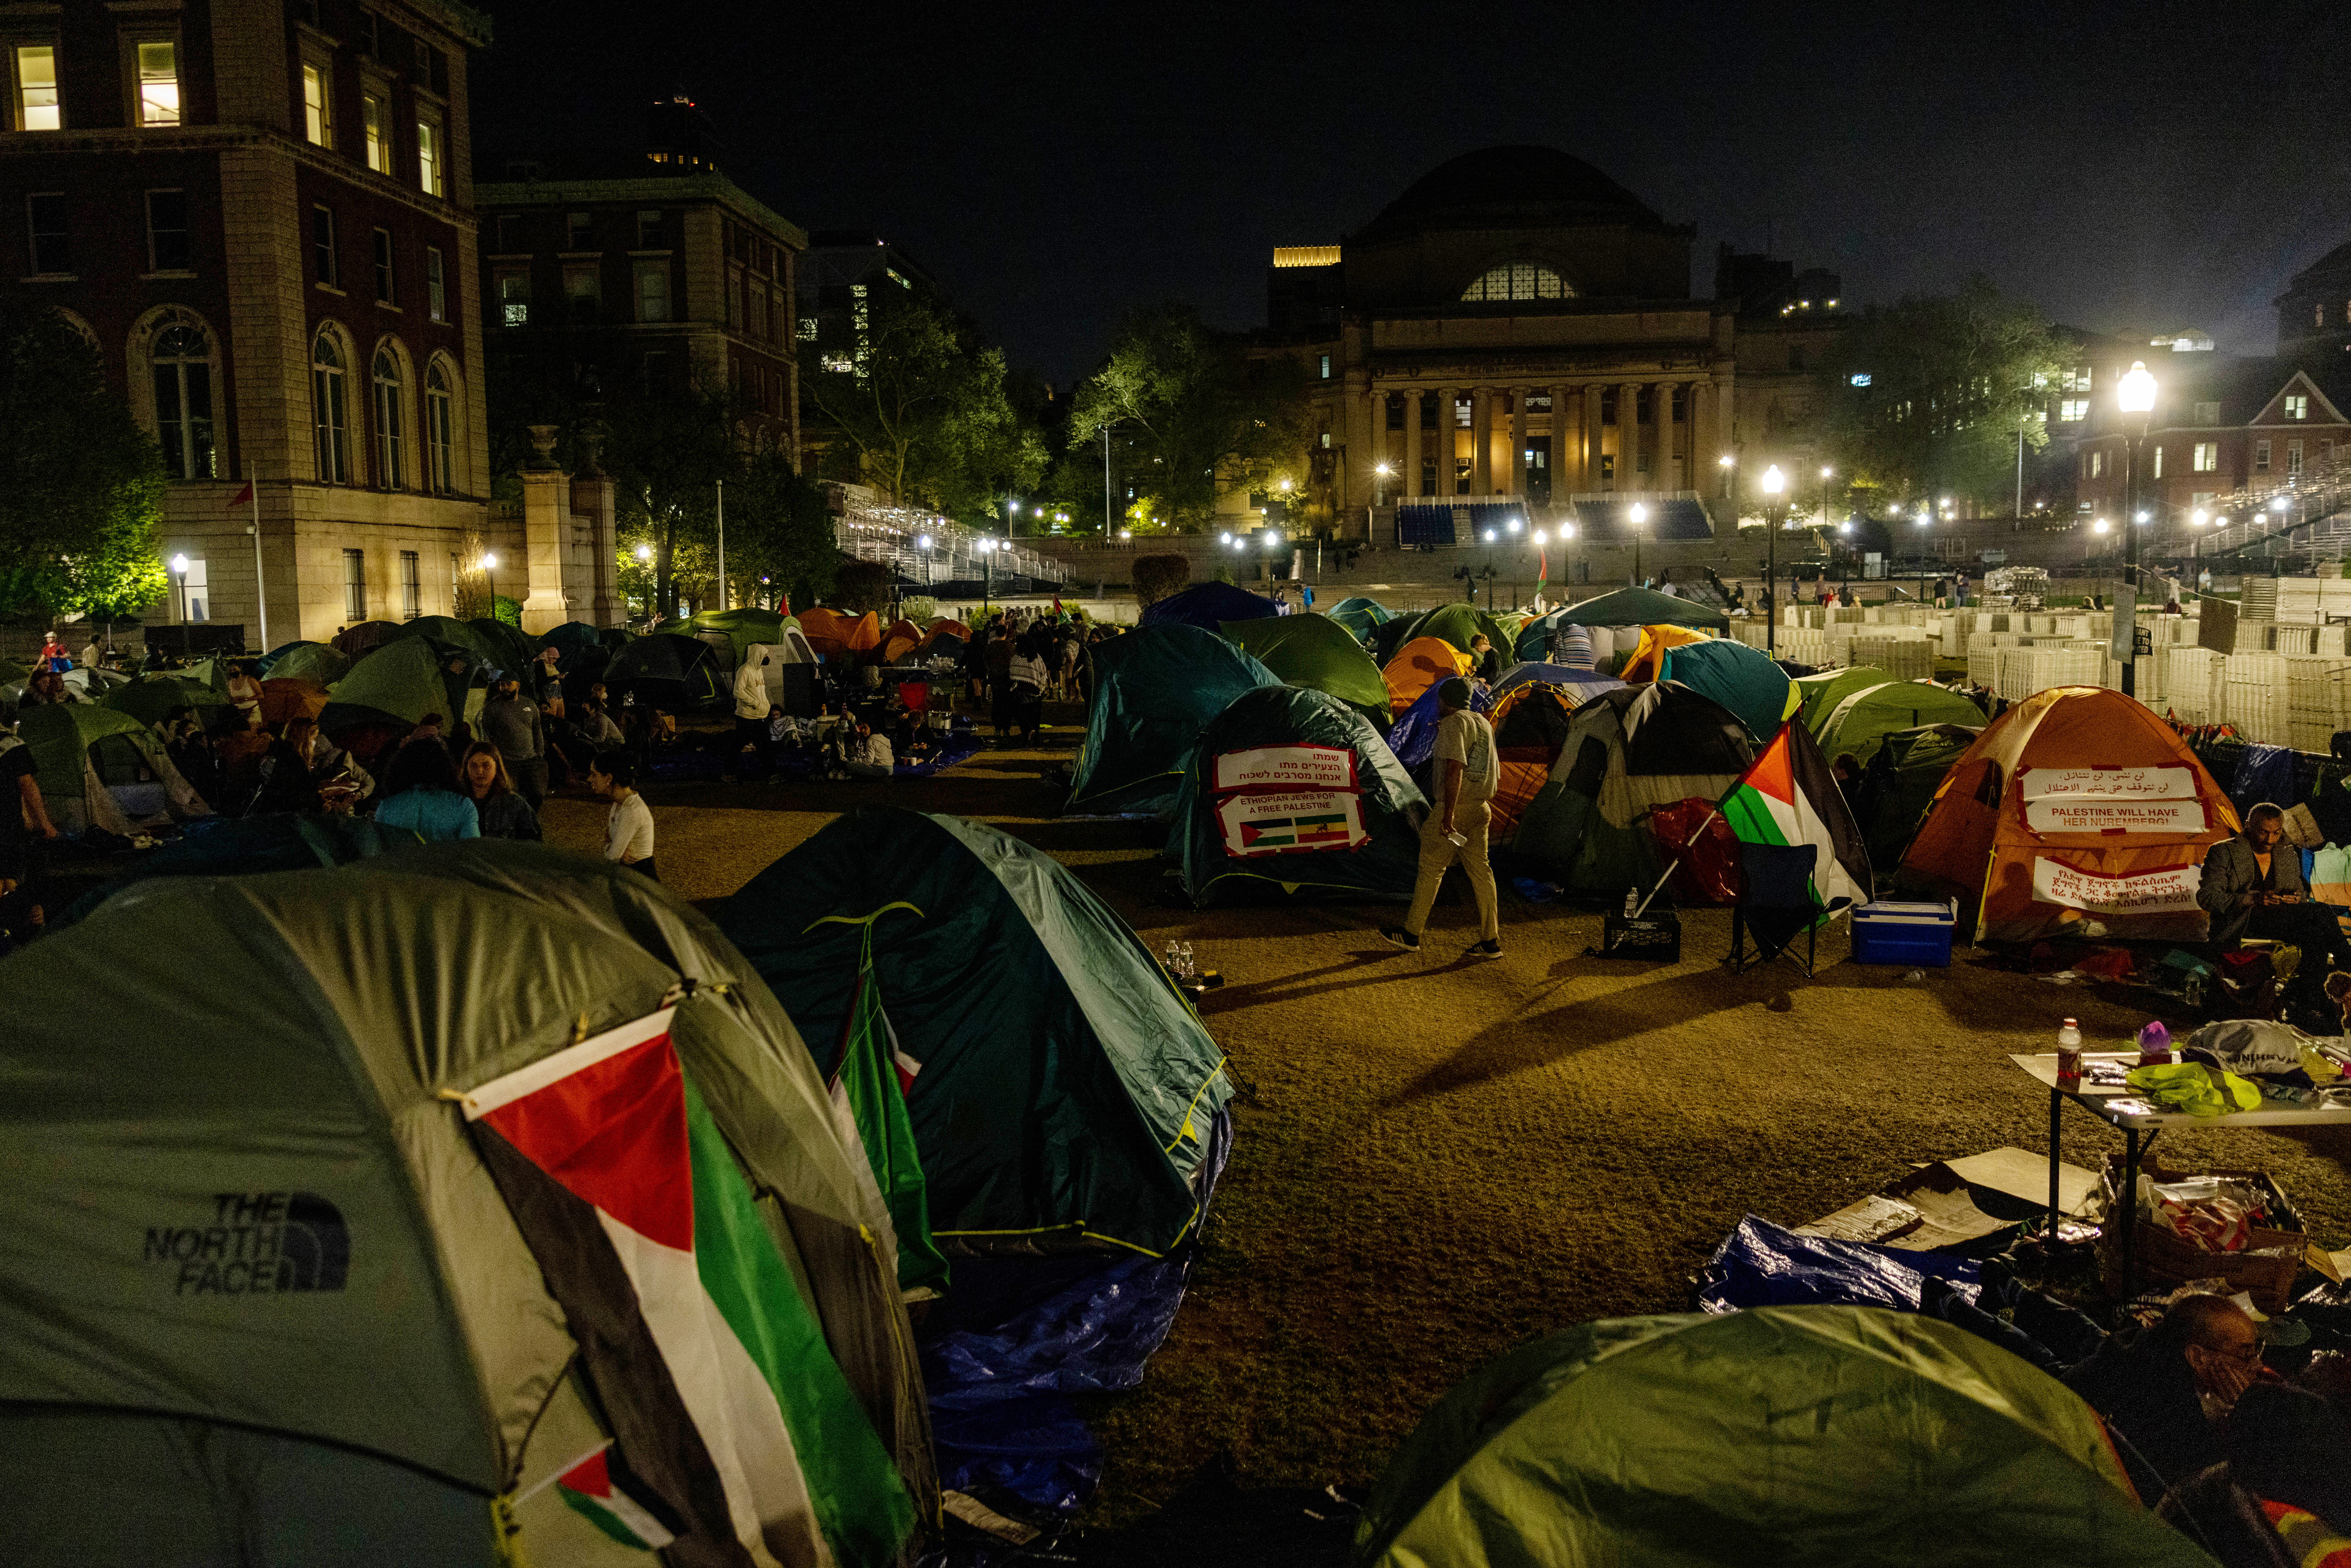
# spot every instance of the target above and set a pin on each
(1827, 474)
(1775, 485)
(180, 580)
(645, 558)
(987, 573)
(1379, 497)
(2134, 396)
(1639, 514)
(489, 571)
(922, 543)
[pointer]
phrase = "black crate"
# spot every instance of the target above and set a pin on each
(1651, 938)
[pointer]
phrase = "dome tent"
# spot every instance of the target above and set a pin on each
(1417, 665)
(309, 662)
(364, 637)
(670, 672)
(1906, 770)
(739, 629)
(151, 699)
(390, 691)
(100, 767)
(1317, 653)
(1669, 1442)
(1154, 691)
(1294, 790)
(1818, 695)
(1460, 623)
(1740, 678)
(1209, 606)
(1530, 725)
(1644, 607)
(403, 1367)
(1360, 616)
(1861, 722)
(1065, 1088)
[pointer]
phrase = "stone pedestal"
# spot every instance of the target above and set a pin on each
(592, 516)
(546, 531)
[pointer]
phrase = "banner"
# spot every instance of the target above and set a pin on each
(2108, 783)
(2171, 891)
(1286, 767)
(1297, 821)
(2077, 816)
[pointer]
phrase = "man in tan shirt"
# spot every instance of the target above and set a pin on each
(1468, 769)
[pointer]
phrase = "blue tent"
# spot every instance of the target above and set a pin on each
(1554, 675)
(1208, 605)
(1413, 737)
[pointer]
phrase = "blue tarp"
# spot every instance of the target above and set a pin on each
(1413, 737)
(2263, 773)
(1208, 605)
(1761, 1265)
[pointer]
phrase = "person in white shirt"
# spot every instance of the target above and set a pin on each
(1469, 770)
(867, 755)
(751, 706)
(629, 830)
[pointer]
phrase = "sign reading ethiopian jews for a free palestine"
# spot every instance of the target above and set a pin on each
(1286, 767)
(2170, 891)
(2108, 784)
(1293, 823)
(2068, 814)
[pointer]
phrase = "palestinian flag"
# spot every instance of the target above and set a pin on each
(601, 1489)
(1542, 568)
(723, 1399)
(1789, 796)
(871, 1079)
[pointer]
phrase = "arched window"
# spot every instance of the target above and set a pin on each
(389, 426)
(184, 403)
(438, 446)
(1518, 280)
(330, 411)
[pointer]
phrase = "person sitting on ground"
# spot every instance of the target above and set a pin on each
(422, 793)
(2253, 886)
(2166, 1389)
(1488, 664)
(628, 828)
(2282, 1498)
(48, 687)
(865, 755)
(595, 730)
(503, 813)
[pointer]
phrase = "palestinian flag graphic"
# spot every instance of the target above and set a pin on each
(1789, 796)
(871, 1079)
(601, 1488)
(746, 1442)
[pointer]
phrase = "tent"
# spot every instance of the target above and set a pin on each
(100, 767)
(837, 636)
(1530, 725)
(245, 846)
(1207, 605)
(1591, 681)
(1460, 623)
(671, 672)
(1418, 665)
(1628, 752)
(1818, 694)
(1860, 723)
(900, 640)
(310, 661)
(1316, 653)
(1359, 616)
(1062, 1088)
(365, 637)
(327, 1335)
(1413, 737)
(950, 627)
(1641, 607)
(151, 699)
(1782, 1435)
(1905, 770)
(569, 640)
(1740, 678)
(1154, 691)
(2078, 812)
(1533, 636)
(288, 697)
(511, 650)
(390, 691)
(1647, 660)
(1292, 790)
(739, 629)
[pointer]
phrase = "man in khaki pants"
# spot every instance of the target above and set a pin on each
(1468, 769)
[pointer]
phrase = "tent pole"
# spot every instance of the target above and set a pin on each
(1702, 827)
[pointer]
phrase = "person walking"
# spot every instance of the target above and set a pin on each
(1468, 769)
(751, 705)
(1026, 675)
(512, 723)
(629, 829)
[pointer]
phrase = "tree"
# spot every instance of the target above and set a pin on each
(863, 586)
(1928, 397)
(667, 453)
(1208, 418)
(779, 535)
(81, 484)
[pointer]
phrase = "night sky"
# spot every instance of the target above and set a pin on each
(2126, 166)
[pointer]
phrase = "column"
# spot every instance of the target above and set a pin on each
(1667, 471)
(1519, 441)
(1409, 482)
(1448, 441)
(1574, 470)
(1629, 436)
(1481, 441)
(1703, 450)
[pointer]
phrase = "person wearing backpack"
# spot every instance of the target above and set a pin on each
(1468, 769)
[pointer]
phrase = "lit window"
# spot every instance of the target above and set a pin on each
(322, 245)
(428, 157)
(2260, 456)
(36, 87)
(652, 291)
(514, 298)
(316, 124)
(45, 225)
(2073, 408)
(158, 83)
(379, 136)
(1518, 280)
(1859, 377)
(167, 231)
(2207, 457)
(412, 587)
(387, 421)
(1325, 372)
(2292, 458)
(436, 290)
(330, 415)
(438, 421)
(383, 284)
(2097, 465)
(184, 402)
(2158, 461)
(2297, 405)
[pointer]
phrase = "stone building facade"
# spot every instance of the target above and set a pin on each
(261, 214)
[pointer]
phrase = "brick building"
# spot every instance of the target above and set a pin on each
(261, 214)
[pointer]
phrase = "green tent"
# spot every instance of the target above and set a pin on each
(741, 628)
(100, 767)
(1460, 622)
(1065, 1087)
(394, 687)
(311, 661)
(1317, 653)
(452, 632)
(1294, 790)
(244, 846)
(151, 700)
(1861, 722)
(1778, 1435)
(13, 674)
(1643, 607)
(1154, 691)
(510, 648)
(1360, 616)
(1899, 788)
(262, 1302)
(1628, 752)
(1389, 636)
(670, 670)
(1818, 695)
(1740, 678)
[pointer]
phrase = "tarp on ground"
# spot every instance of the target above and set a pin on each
(334, 1330)
(1316, 653)
(1824, 1434)
(311, 661)
(390, 690)
(1629, 752)
(1645, 607)
(1900, 783)
(2034, 842)
(151, 700)
(1154, 691)
(1062, 1087)
(1292, 792)
(1417, 665)
(1740, 678)
(1461, 624)
(1207, 605)
(364, 637)
(98, 767)
(1859, 724)
(672, 673)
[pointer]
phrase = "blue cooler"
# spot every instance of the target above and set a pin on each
(1916, 936)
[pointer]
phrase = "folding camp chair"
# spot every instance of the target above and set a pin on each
(1774, 906)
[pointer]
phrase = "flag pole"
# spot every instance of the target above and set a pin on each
(1671, 866)
(260, 587)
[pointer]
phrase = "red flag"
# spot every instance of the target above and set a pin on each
(242, 496)
(1057, 604)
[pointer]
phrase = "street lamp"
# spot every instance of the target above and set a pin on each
(1826, 474)
(179, 577)
(1638, 515)
(489, 572)
(2134, 396)
(1775, 484)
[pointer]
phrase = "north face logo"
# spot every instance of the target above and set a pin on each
(259, 1244)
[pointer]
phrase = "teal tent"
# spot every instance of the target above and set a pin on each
(1827, 1435)
(1742, 679)
(310, 661)
(1294, 791)
(1642, 607)
(1859, 724)
(1317, 653)
(1154, 690)
(1360, 616)
(1628, 752)
(1062, 1089)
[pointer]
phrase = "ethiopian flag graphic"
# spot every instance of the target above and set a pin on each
(750, 1448)
(1788, 797)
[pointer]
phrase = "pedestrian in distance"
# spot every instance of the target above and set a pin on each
(1468, 770)
(512, 722)
(628, 828)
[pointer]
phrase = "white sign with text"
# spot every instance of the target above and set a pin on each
(2170, 891)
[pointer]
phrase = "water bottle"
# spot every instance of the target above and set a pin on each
(1175, 963)
(1632, 901)
(1191, 971)
(2069, 1054)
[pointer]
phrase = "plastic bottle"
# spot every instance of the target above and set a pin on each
(1175, 963)
(1632, 901)
(1191, 969)
(2069, 1054)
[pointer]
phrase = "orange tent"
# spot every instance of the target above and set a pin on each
(1418, 665)
(903, 638)
(2078, 812)
(953, 628)
(1530, 727)
(836, 635)
(1648, 655)
(291, 697)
